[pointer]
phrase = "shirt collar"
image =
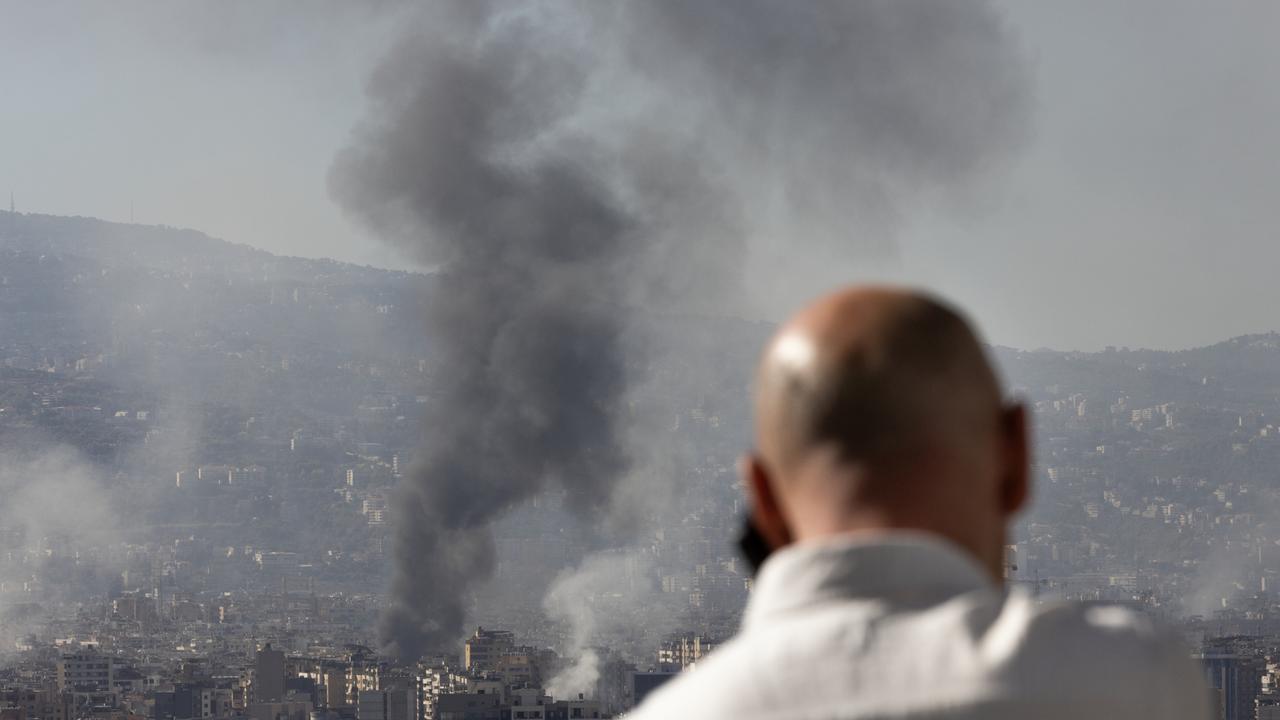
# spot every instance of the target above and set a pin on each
(899, 568)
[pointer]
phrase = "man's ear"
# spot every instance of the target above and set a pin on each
(1016, 478)
(766, 512)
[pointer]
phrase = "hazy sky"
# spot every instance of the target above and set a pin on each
(1142, 211)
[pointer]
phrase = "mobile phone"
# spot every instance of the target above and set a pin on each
(755, 549)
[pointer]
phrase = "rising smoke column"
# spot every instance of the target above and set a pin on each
(563, 161)
(527, 349)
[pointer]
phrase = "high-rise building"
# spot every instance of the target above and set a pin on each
(469, 706)
(88, 671)
(393, 704)
(643, 683)
(268, 678)
(434, 680)
(482, 650)
(1236, 680)
(681, 652)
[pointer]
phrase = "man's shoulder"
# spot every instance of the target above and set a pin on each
(1085, 629)
(1089, 651)
(976, 650)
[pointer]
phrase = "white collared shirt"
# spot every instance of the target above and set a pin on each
(909, 626)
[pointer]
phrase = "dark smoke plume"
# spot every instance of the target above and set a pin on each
(561, 162)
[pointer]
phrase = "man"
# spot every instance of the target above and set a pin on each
(886, 473)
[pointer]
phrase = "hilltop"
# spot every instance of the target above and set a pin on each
(160, 247)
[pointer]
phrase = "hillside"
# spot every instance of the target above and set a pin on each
(164, 248)
(156, 354)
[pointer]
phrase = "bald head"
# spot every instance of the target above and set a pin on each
(877, 375)
(877, 408)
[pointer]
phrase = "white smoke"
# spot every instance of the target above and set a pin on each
(610, 599)
(56, 498)
(56, 509)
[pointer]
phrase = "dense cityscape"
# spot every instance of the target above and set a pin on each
(202, 444)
